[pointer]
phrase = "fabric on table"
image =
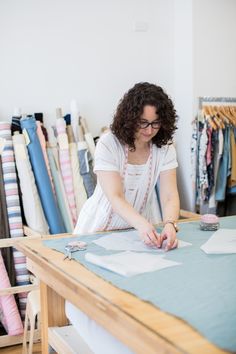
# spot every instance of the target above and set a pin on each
(207, 299)
(80, 193)
(31, 202)
(60, 190)
(65, 164)
(43, 146)
(86, 169)
(9, 313)
(42, 179)
(5, 231)
(13, 210)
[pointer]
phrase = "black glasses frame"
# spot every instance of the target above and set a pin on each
(144, 124)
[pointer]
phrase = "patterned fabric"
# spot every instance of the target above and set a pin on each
(65, 164)
(13, 209)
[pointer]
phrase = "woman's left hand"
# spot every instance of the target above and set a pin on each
(169, 234)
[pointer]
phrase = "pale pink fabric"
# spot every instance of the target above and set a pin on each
(65, 165)
(9, 314)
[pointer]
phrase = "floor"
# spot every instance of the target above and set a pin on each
(17, 349)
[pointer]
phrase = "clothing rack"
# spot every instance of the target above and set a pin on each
(206, 99)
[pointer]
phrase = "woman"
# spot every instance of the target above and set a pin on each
(129, 161)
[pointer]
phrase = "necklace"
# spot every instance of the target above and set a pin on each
(150, 162)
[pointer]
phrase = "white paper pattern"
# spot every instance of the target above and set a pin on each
(223, 241)
(130, 263)
(130, 241)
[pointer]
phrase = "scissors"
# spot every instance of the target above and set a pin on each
(74, 246)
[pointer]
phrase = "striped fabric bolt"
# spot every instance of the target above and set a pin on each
(13, 209)
(31, 202)
(65, 164)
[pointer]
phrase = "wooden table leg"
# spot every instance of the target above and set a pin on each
(52, 312)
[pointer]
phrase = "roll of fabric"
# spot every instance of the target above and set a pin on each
(80, 193)
(43, 146)
(13, 209)
(31, 202)
(60, 190)
(42, 179)
(65, 164)
(85, 165)
(88, 137)
(5, 231)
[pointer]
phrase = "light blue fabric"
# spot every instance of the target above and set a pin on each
(85, 165)
(42, 179)
(202, 290)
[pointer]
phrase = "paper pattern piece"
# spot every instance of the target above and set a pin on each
(223, 241)
(130, 241)
(130, 263)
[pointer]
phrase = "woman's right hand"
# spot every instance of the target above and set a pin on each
(149, 235)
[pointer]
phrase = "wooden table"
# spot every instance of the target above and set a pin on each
(141, 326)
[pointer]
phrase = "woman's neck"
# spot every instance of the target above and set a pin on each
(140, 155)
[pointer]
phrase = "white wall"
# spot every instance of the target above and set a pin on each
(214, 47)
(57, 50)
(53, 51)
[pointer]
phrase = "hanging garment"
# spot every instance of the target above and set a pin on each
(111, 155)
(224, 171)
(31, 202)
(65, 164)
(13, 209)
(5, 231)
(60, 190)
(80, 193)
(42, 179)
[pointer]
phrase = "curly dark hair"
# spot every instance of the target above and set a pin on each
(130, 109)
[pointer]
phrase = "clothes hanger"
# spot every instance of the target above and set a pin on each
(207, 114)
(224, 111)
(222, 117)
(214, 117)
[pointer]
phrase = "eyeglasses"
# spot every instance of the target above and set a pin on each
(143, 124)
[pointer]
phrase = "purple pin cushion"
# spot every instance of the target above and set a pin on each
(209, 222)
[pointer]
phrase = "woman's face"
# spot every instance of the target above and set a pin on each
(146, 131)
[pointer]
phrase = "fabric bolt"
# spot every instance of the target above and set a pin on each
(85, 165)
(206, 301)
(79, 189)
(31, 202)
(13, 209)
(5, 231)
(43, 146)
(67, 119)
(42, 179)
(65, 164)
(60, 190)
(15, 124)
(111, 155)
(9, 313)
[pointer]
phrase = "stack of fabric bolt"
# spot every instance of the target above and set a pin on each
(42, 185)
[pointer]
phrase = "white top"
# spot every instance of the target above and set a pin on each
(139, 185)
